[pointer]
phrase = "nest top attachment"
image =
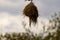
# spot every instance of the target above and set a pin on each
(29, 0)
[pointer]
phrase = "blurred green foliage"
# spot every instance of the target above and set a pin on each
(30, 36)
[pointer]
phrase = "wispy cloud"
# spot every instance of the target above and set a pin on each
(10, 23)
(11, 3)
(45, 7)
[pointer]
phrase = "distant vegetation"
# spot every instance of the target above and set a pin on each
(52, 33)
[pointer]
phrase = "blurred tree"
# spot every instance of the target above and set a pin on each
(55, 26)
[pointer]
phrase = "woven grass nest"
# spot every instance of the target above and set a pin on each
(31, 11)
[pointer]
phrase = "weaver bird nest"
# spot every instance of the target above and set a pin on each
(31, 11)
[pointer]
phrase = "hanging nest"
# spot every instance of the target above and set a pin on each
(31, 11)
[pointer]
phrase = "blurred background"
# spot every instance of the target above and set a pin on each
(12, 20)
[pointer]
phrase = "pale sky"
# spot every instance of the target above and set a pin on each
(11, 14)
